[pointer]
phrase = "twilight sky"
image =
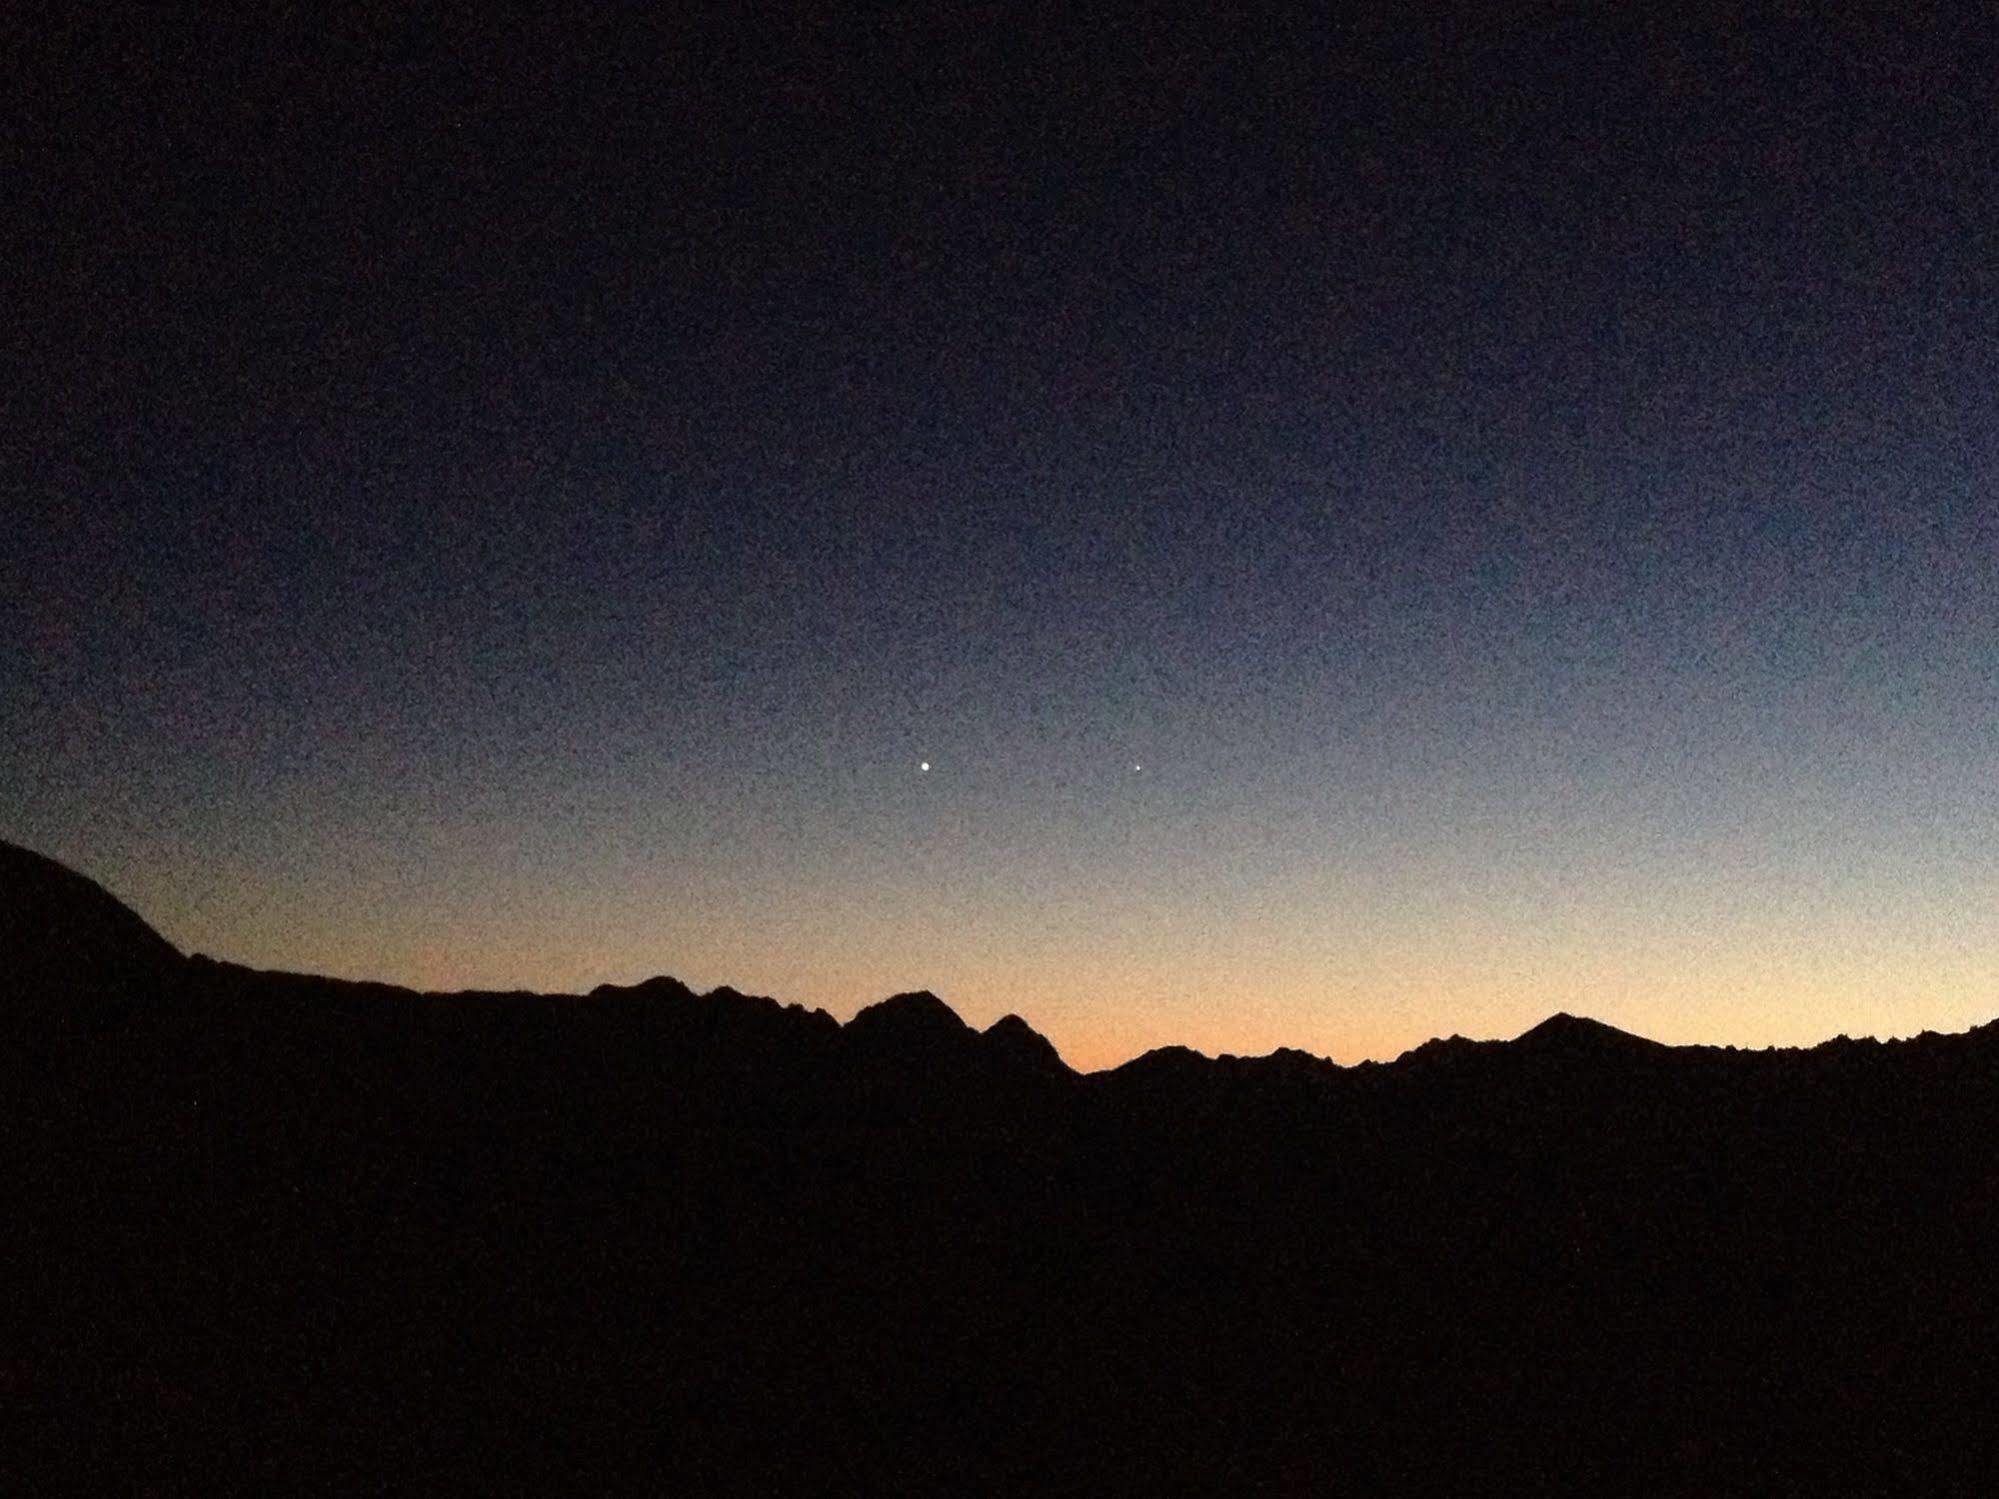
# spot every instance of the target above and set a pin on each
(1378, 531)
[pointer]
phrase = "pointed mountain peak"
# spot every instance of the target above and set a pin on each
(1444, 1049)
(917, 1013)
(1012, 1037)
(1563, 1032)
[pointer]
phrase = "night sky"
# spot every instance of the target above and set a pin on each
(1378, 530)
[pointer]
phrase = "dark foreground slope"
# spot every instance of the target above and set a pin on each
(266, 1231)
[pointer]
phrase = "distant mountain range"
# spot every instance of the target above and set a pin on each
(269, 1231)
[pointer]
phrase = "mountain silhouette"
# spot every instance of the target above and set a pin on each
(70, 953)
(1563, 1034)
(918, 1021)
(1022, 1044)
(272, 1232)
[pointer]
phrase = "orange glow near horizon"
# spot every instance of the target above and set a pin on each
(1107, 983)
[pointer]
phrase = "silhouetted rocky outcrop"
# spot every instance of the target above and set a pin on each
(916, 1025)
(268, 1231)
(1575, 1036)
(71, 956)
(1024, 1046)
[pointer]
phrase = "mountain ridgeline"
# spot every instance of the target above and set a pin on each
(266, 1231)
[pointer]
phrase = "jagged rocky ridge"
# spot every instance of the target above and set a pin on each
(271, 1230)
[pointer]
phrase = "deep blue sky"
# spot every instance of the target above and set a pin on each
(516, 504)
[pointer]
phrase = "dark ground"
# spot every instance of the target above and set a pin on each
(266, 1232)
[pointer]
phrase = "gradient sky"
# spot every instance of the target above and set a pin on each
(515, 507)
